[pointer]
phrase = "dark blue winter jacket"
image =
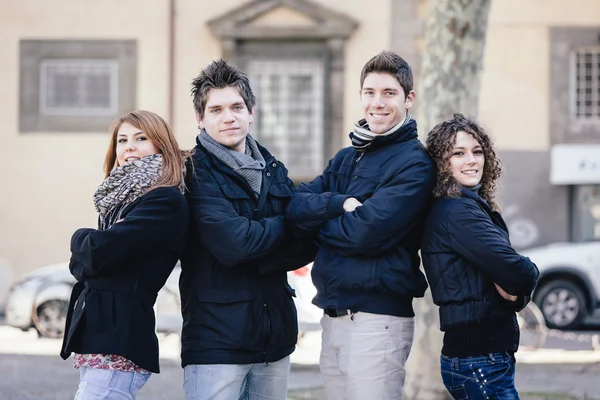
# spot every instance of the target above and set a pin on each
(236, 302)
(466, 249)
(367, 260)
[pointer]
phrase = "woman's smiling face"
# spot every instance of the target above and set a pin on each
(133, 144)
(467, 160)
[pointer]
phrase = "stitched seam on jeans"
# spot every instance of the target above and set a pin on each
(481, 379)
(113, 378)
(132, 383)
(81, 390)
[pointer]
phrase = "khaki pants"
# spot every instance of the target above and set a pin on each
(363, 356)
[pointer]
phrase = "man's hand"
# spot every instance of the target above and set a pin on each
(350, 204)
(505, 295)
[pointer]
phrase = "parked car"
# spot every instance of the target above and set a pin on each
(40, 299)
(569, 287)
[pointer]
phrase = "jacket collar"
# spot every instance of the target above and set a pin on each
(472, 195)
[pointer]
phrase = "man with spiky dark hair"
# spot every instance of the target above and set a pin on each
(239, 319)
(367, 211)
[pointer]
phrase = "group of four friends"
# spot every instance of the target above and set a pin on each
(230, 213)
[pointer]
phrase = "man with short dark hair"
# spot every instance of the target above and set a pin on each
(239, 319)
(367, 212)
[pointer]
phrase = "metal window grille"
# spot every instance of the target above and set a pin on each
(289, 112)
(587, 83)
(78, 87)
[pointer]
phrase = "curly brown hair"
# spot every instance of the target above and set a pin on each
(440, 142)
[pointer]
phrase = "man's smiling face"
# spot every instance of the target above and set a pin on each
(384, 102)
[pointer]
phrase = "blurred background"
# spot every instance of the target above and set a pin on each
(70, 67)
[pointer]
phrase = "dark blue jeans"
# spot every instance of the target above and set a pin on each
(474, 378)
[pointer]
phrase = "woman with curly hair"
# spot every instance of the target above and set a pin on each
(477, 279)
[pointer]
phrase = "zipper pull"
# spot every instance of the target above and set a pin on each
(360, 157)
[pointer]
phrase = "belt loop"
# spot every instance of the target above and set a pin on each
(491, 356)
(455, 363)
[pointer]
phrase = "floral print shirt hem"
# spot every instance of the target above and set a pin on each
(106, 361)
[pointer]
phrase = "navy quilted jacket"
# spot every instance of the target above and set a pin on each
(368, 259)
(466, 249)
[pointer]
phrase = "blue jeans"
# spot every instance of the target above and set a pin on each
(108, 384)
(487, 377)
(237, 381)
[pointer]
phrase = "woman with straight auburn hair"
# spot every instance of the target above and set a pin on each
(121, 266)
(477, 279)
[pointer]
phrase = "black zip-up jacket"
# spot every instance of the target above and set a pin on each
(120, 271)
(368, 259)
(466, 249)
(237, 305)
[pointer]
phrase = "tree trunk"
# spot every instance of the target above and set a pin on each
(450, 77)
(449, 82)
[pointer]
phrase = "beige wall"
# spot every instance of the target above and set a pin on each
(48, 178)
(514, 102)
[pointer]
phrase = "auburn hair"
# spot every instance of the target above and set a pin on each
(161, 135)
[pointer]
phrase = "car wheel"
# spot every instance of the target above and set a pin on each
(563, 304)
(50, 317)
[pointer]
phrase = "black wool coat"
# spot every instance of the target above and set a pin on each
(120, 271)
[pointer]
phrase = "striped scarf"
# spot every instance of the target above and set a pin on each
(249, 165)
(362, 137)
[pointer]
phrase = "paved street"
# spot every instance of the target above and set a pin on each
(30, 369)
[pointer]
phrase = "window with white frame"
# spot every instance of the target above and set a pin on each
(75, 85)
(586, 63)
(289, 112)
(78, 87)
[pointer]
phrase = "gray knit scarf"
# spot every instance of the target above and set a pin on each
(124, 185)
(362, 136)
(249, 166)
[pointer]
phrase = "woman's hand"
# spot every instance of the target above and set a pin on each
(505, 295)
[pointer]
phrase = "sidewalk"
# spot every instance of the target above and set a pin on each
(546, 374)
(566, 372)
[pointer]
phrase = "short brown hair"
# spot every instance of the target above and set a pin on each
(390, 63)
(161, 135)
(218, 75)
(440, 142)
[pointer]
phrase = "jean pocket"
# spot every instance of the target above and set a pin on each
(458, 392)
(455, 384)
(138, 381)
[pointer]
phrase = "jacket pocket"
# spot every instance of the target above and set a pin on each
(279, 196)
(284, 320)
(239, 199)
(225, 318)
(233, 192)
